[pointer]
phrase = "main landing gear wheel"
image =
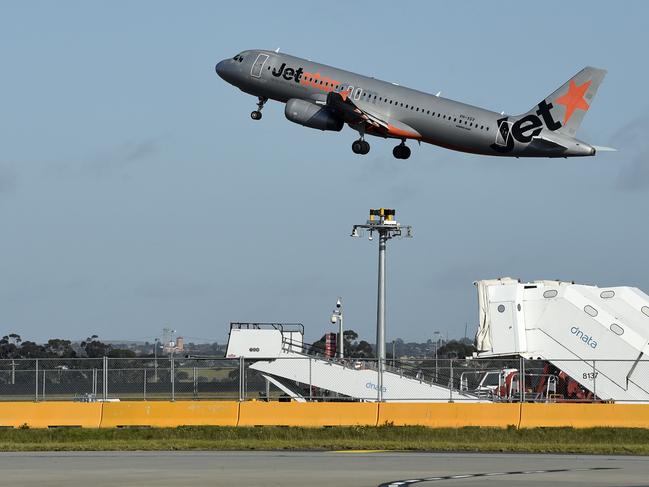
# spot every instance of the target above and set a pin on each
(256, 115)
(360, 147)
(402, 151)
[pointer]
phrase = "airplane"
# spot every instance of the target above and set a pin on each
(326, 98)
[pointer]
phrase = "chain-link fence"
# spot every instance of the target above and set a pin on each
(320, 378)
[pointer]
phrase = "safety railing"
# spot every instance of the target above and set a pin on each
(314, 377)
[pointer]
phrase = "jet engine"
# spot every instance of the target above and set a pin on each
(311, 115)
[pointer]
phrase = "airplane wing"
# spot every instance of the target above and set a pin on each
(358, 113)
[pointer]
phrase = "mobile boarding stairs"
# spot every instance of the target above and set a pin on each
(598, 336)
(279, 353)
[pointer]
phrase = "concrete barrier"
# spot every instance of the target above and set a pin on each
(160, 414)
(449, 415)
(585, 415)
(307, 414)
(230, 413)
(50, 414)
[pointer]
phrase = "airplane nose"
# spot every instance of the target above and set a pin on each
(221, 68)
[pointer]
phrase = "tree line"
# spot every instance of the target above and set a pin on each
(13, 347)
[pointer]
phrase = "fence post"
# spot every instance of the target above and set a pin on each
(36, 377)
(521, 380)
(310, 381)
(104, 392)
(594, 381)
(195, 384)
(241, 372)
(450, 382)
(173, 377)
(144, 389)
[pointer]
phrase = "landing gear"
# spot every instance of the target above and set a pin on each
(256, 114)
(402, 151)
(360, 147)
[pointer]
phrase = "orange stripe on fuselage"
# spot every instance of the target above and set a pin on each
(316, 80)
(406, 134)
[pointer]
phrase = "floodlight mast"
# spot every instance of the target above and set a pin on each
(382, 222)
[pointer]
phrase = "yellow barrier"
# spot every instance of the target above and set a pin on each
(445, 415)
(50, 414)
(169, 414)
(585, 415)
(307, 414)
(229, 413)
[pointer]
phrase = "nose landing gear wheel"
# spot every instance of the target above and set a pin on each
(402, 151)
(256, 115)
(360, 147)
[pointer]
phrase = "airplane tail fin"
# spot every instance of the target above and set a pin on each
(564, 109)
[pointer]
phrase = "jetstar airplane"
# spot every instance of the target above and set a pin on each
(322, 97)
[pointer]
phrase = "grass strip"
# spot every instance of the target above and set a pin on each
(407, 438)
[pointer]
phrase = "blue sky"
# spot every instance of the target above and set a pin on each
(137, 193)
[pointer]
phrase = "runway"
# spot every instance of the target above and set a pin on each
(315, 469)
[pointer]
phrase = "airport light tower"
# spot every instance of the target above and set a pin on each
(383, 223)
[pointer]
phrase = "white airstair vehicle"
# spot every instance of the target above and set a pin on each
(598, 336)
(279, 353)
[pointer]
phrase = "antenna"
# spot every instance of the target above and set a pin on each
(277, 50)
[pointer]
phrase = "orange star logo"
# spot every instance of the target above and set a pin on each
(574, 99)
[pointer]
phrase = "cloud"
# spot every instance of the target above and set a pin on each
(109, 161)
(632, 142)
(123, 156)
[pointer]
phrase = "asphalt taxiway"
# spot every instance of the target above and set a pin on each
(315, 469)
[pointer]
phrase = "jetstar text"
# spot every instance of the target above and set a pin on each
(525, 128)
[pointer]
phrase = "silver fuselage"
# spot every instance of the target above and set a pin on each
(434, 119)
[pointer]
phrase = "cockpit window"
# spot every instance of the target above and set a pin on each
(238, 57)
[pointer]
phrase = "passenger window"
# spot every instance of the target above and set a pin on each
(617, 329)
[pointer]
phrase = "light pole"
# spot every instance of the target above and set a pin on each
(436, 333)
(337, 316)
(382, 222)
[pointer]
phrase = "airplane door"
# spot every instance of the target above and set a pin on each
(504, 133)
(502, 324)
(258, 65)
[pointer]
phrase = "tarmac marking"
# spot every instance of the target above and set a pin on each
(359, 451)
(399, 483)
